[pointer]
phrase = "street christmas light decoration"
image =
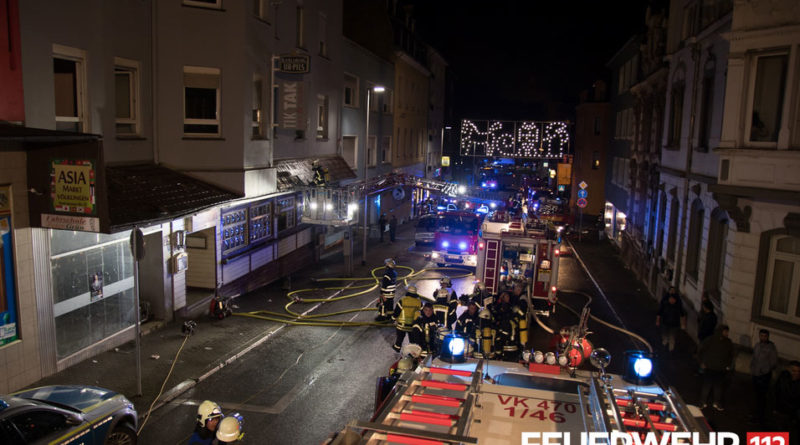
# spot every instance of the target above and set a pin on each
(518, 139)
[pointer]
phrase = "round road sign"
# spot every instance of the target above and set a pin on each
(582, 193)
(582, 202)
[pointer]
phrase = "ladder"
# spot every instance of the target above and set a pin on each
(431, 407)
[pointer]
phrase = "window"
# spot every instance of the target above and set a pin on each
(69, 81)
(767, 97)
(689, 21)
(300, 27)
(595, 160)
(35, 425)
(213, 4)
(323, 35)
(322, 117)
(386, 150)
(201, 97)
(258, 107)
(287, 214)
(706, 111)
(662, 219)
(126, 95)
(782, 284)
(598, 125)
(262, 9)
(695, 235)
(372, 151)
(387, 101)
(715, 253)
(350, 90)
(672, 235)
(675, 116)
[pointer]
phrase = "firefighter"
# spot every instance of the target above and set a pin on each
(480, 296)
(424, 330)
(520, 318)
(319, 174)
(208, 418)
(468, 324)
(505, 323)
(519, 297)
(446, 303)
(230, 429)
(485, 335)
(405, 312)
(388, 286)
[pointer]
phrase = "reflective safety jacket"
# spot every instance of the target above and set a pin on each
(424, 332)
(388, 282)
(468, 325)
(445, 307)
(406, 311)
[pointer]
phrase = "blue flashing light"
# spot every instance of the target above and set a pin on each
(643, 367)
(440, 207)
(483, 209)
(462, 245)
(453, 349)
(445, 244)
(456, 346)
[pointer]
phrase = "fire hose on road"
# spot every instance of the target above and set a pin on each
(373, 282)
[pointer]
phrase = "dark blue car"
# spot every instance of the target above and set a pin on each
(67, 414)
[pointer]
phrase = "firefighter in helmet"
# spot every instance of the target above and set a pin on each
(388, 287)
(319, 174)
(424, 330)
(208, 418)
(481, 296)
(484, 334)
(468, 324)
(230, 429)
(505, 322)
(405, 312)
(446, 303)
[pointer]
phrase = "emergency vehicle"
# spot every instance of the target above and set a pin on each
(451, 399)
(515, 248)
(456, 240)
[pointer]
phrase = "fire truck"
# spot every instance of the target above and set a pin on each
(457, 239)
(450, 399)
(516, 248)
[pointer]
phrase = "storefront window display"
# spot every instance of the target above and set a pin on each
(8, 308)
(92, 287)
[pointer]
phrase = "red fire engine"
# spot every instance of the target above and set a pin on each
(456, 240)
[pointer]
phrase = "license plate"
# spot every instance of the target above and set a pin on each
(453, 258)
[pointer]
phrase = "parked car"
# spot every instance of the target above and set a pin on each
(426, 230)
(67, 414)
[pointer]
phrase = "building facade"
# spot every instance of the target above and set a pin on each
(592, 125)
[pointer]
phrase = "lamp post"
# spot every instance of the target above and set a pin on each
(376, 89)
(441, 146)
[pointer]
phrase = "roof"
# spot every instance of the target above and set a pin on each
(296, 172)
(140, 194)
(17, 137)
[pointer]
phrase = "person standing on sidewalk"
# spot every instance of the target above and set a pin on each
(382, 224)
(716, 358)
(787, 401)
(764, 361)
(392, 228)
(706, 322)
(671, 318)
(406, 311)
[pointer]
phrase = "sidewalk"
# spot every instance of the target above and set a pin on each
(215, 343)
(638, 309)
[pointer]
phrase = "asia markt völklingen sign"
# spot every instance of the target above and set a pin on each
(72, 186)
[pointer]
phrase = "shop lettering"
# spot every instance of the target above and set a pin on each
(71, 177)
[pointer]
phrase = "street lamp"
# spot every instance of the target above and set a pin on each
(375, 89)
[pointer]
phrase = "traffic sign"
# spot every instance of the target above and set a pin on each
(582, 202)
(582, 193)
(583, 185)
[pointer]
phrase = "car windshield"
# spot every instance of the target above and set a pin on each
(457, 224)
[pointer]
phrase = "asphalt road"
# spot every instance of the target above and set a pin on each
(306, 382)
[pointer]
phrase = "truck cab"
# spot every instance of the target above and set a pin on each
(456, 240)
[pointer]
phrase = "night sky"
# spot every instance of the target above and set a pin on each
(526, 59)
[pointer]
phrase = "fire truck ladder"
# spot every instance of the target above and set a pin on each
(628, 410)
(432, 407)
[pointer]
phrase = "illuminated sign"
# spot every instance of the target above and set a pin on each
(72, 186)
(514, 139)
(296, 64)
(445, 161)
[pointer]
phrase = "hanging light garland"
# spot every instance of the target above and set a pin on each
(524, 139)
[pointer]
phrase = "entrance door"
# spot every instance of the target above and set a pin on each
(201, 273)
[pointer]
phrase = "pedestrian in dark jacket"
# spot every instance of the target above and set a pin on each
(764, 361)
(787, 400)
(382, 224)
(706, 322)
(716, 359)
(671, 318)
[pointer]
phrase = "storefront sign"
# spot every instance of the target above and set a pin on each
(291, 105)
(295, 64)
(8, 290)
(64, 222)
(445, 161)
(72, 186)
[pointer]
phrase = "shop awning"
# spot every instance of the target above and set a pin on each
(298, 172)
(145, 194)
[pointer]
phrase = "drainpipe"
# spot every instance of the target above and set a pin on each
(154, 78)
(687, 170)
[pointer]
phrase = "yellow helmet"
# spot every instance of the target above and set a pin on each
(405, 364)
(207, 410)
(230, 429)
